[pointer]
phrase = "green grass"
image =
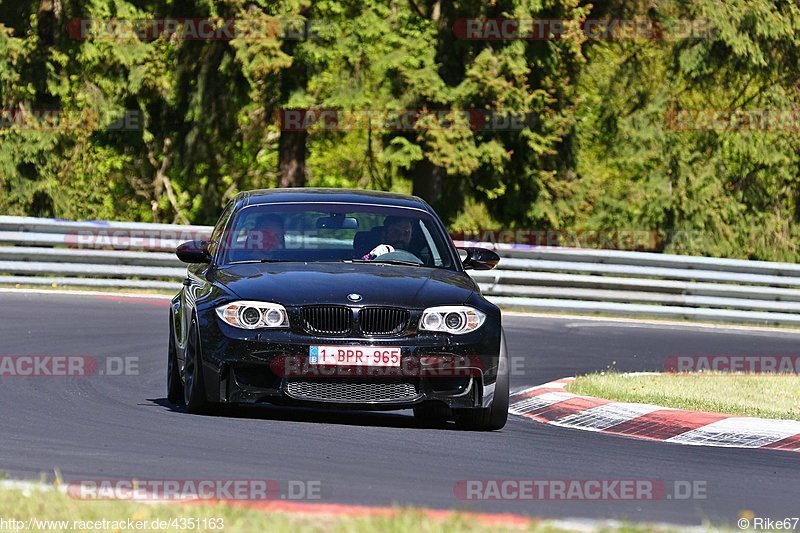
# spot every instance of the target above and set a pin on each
(57, 506)
(53, 505)
(762, 395)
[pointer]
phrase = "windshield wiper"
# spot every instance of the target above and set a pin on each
(385, 262)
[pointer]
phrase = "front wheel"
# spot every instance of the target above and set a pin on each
(194, 391)
(495, 416)
(174, 385)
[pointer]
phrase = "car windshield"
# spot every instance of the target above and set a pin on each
(323, 232)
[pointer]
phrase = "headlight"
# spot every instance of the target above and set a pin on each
(455, 319)
(254, 315)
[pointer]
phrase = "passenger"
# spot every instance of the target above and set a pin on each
(259, 233)
(269, 229)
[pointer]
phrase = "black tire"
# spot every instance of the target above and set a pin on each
(432, 413)
(495, 416)
(194, 390)
(174, 384)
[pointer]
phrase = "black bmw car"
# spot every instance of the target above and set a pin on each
(337, 299)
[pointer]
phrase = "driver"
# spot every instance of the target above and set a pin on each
(396, 236)
(397, 232)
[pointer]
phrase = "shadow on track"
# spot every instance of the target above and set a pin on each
(313, 416)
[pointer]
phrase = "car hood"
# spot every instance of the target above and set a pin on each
(293, 284)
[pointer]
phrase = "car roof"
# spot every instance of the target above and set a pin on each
(319, 194)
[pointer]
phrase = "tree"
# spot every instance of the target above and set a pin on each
(705, 187)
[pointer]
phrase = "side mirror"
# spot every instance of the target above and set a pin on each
(479, 258)
(193, 252)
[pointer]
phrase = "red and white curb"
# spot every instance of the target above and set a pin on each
(552, 404)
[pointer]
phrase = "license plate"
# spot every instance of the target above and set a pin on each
(354, 355)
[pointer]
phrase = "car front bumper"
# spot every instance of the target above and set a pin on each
(241, 366)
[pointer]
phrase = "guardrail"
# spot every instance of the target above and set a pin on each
(136, 255)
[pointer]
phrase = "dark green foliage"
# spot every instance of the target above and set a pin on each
(601, 147)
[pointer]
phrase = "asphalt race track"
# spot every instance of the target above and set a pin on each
(121, 427)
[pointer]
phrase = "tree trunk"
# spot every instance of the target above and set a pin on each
(292, 158)
(428, 182)
(48, 15)
(292, 144)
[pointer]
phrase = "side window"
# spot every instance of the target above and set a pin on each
(430, 246)
(216, 235)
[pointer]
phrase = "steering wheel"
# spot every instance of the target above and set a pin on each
(400, 255)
